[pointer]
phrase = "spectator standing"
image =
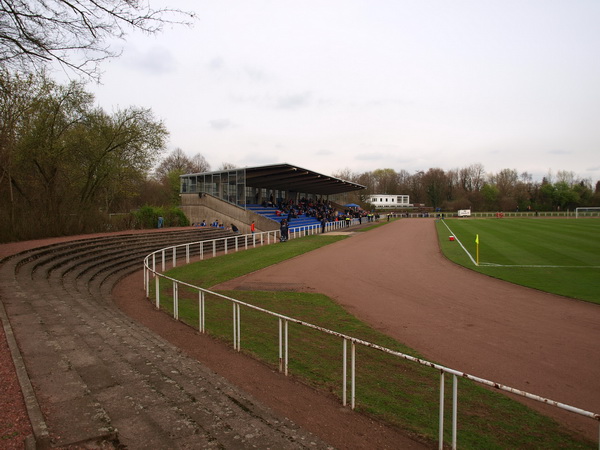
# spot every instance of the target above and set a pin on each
(284, 228)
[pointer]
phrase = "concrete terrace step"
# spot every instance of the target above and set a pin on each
(98, 376)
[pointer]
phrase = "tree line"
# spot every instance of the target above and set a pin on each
(472, 187)
(65, 164)
(69, 167)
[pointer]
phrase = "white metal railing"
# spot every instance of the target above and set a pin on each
(270, 237)
(307, 230)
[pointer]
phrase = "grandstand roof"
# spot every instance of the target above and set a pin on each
(293, 178)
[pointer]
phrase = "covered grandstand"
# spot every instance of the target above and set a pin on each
(252, 185)
(254, 193)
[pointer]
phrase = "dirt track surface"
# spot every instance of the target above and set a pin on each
(396, 279)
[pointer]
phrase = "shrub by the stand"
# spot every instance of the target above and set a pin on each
(149, 217)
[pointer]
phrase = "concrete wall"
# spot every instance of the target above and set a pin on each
(209, 208)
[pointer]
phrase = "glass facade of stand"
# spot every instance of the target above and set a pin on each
(228, 185)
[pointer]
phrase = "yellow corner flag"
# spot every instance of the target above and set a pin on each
(477, 239)
(477, 242)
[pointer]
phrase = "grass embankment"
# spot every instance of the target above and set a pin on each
(401, 393)
(561, 256)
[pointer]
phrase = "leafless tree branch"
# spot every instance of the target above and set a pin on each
(75, 33)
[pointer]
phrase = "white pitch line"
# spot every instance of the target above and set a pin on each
(538, 266)
(457, 240)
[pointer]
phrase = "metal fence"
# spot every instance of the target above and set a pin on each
(243, 242)
(497, 214)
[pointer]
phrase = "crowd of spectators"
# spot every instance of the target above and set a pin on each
(289, 209)
(218, 225)
(320, 209)
(323, 211)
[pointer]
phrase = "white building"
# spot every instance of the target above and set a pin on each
(388, 201)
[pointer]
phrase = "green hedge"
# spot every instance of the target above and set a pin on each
(148, 217)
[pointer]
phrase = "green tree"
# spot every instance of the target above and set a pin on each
(490, 195)
(564, 197)
(65, 162)
(584, 191)
(17, 96)
(436, 184)
(547, 195)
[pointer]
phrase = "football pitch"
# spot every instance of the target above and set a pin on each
(561, 256)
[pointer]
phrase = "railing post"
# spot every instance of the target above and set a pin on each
(201, 251)
(154, 264)
(353, 387)
(234, 327)
(145, 278)
(441, 426)
(280, 347)
(225, 244)
(201, 311)
(344, 370)
(187, 253)
(285, 341)
(157, 292)
(147, 283)
(214, 247)
(174, 256)
(175, 300)
(163, 261)
(239, 325)
(454, 409)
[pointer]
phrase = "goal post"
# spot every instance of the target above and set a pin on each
(587, 211)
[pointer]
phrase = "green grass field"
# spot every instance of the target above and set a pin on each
(561, 256)
(401, 393)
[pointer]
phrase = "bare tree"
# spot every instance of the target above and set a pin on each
(565, 176)
(506, 180)
(345, 174)
(74, 33)
(199, 164)
(386, 181)
(227, 166)
(177, 161)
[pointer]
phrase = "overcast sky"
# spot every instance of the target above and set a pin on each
(364, 85)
